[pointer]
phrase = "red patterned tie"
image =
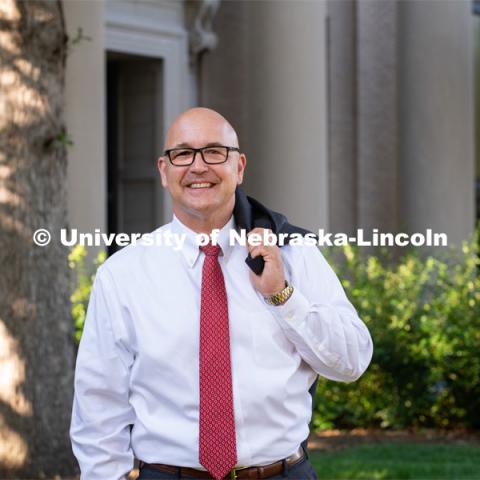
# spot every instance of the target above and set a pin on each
(217, 449)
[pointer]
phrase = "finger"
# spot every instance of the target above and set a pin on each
(259, 231)
(268, 252)
(258, 236)
(260, 250)
(255, 251)
(254, 237)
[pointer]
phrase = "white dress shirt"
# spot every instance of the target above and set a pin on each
(137, 371)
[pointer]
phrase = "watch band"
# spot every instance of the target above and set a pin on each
(281, 297)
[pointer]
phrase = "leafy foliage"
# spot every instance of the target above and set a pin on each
(83, 281)
(424, 317)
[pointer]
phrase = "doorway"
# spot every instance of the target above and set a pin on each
(135, 115)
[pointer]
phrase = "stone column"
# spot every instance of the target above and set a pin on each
(342, 75)
(437, 117)
(377, 127)
(85, 115)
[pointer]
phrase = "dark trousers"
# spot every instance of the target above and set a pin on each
(303, 470)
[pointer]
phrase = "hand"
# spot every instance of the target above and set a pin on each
(272, 279)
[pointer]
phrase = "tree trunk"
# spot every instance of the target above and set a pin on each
(36, 346)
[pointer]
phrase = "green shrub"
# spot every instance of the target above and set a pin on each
(82, 285)
(424, 317)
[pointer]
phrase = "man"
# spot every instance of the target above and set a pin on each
(192, 363)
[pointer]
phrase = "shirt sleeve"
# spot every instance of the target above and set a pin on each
(321, 322)
(101, 414)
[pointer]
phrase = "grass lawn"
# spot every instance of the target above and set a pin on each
(392, 461)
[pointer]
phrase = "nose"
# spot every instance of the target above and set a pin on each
(198, 165)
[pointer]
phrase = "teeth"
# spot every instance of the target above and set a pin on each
(200, 185)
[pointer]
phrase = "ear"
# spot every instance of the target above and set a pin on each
(162, 166)
(242, 163)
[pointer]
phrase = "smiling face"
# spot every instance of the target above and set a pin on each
(203, 195)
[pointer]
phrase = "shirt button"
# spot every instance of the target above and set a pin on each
(290, 314)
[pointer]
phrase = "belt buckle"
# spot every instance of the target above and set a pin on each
(233, 474)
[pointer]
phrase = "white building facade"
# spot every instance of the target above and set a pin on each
(351, 113)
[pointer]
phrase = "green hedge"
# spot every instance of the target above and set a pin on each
(83, 278)
(424, 317)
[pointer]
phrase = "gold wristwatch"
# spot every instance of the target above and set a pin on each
(281, 297)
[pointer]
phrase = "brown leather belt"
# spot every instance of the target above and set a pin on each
(252, 473)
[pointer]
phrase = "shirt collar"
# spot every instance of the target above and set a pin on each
(191, 250)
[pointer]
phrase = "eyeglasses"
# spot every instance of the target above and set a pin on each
(183, 157)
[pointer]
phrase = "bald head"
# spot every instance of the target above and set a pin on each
(198, 127)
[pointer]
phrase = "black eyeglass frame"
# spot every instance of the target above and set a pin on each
(199, 150)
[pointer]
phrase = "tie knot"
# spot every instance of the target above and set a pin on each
(211, 250)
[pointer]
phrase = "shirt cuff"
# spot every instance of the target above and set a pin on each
(293, 312)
